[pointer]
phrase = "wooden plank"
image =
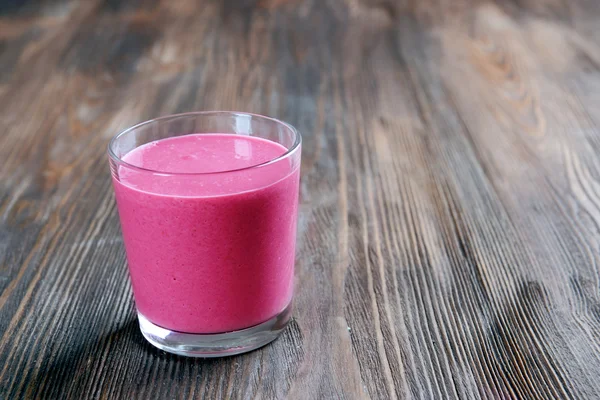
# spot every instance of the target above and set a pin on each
(448, 234)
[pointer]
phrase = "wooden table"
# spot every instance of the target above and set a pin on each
(449, 236)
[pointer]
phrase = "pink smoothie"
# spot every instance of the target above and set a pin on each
(209, 251)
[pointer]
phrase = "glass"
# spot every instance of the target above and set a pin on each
(211, 252)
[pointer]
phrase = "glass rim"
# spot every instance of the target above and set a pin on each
(289, 152)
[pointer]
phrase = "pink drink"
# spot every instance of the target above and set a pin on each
(209, 251)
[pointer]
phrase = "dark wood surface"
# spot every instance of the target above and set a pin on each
(449, 236)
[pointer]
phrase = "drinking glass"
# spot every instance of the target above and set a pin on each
(210, 254)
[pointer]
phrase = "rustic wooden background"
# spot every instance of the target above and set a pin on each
(450, 209)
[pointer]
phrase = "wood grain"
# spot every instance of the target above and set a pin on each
(449, 227)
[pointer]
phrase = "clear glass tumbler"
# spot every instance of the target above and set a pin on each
(209, 226)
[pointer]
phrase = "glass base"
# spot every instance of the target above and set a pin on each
(217, 344)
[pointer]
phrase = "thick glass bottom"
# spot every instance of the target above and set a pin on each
(217, 344)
